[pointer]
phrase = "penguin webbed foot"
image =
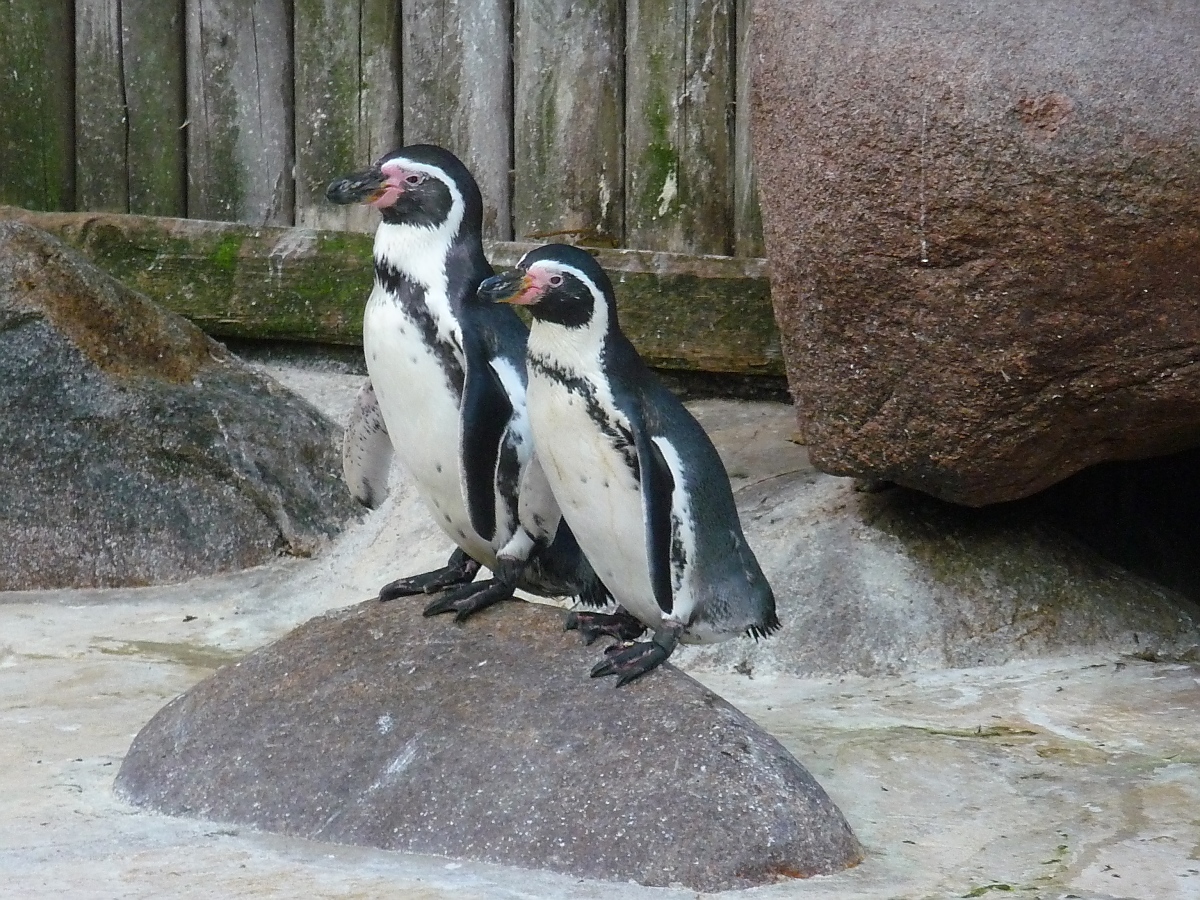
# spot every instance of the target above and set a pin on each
(468, 599)
(460, 569)
(633, 660)
(621, 624)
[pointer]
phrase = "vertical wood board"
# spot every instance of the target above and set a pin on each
(37, 117)
(458, 92)
(240, 146)
(101, 124)
(347, 101)
(569, 82)
(747, 218)
(152, 56)
(679, 125)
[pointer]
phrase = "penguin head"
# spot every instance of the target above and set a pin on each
(421, 185)
(559, 284)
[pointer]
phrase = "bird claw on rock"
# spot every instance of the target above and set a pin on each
(634, 659)
(459, 569)
(468, 599)
(622, 625)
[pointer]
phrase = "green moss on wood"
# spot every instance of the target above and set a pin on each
(37, 167)
(155, 89)
(234, 280)
(658, 161)
(225, 255)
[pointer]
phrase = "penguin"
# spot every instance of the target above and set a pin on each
(637, 478)
(447, 391)
(366, 450)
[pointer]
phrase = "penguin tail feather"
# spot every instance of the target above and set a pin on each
(765, 629)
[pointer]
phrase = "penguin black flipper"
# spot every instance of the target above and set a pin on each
(657, 487)
(485, 412)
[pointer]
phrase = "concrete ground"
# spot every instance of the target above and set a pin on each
(1069, 777)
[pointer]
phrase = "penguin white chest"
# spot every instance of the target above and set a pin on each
(598, 492)
(421, 410)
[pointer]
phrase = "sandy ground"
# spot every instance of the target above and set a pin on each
(1070, 777)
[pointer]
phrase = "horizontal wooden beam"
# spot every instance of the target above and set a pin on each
(703, 313)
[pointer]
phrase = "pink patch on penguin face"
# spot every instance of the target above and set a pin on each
(543, 279)
(393, 186)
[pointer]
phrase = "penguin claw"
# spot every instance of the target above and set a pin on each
(620, 647)
(622, 625)
(460, 569)
(468, 599)
(633, 660)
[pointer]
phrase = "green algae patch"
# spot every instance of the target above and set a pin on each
(192, 656)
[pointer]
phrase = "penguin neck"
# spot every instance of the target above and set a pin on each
(418, 252)
(571, 351)
(410, 262)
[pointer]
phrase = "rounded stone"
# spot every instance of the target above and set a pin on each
(487, 741)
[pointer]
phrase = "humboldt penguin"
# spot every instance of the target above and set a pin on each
(637, 478)
(447, 383)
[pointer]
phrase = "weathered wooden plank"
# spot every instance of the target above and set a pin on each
(152, 58)
(239, 77)
(679, 127)
(347, 101)
(129, 106)
(568, 142)
(37, 118)
(705, 313)
(747, 219)
(101, 173)
(458, 92)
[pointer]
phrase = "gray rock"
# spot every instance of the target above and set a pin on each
(896, 581)
(487, 741)
(984, 234)
(136, 450)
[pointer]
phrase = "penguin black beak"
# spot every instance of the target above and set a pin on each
(362, 187)
(509, 287)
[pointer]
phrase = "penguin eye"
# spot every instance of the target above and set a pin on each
(414, 178)
(555, 280)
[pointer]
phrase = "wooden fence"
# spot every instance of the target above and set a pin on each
(620, 123)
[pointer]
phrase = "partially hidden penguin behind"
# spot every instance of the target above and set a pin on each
(446, 393)
(637, 478)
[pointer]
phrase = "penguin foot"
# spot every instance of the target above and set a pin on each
(468, 599)
(622, 625)
(459, 569)
(636, 659)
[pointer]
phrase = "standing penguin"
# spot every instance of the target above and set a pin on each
(447, 391)
(637, 478)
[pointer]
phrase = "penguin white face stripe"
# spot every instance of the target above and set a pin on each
(419, 251)
(546, 268)
(566, 346)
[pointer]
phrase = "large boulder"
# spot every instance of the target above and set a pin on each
(136, 450)
(487, 741)
(984, 234)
